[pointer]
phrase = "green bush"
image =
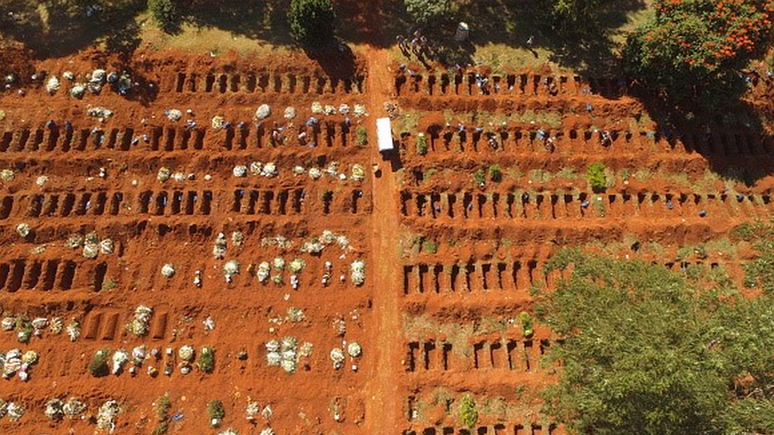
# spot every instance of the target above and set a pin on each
(162, 414)
(206, 361)
(98, 365)
(165, 13)
(421, 144)
(479, 177)
(495, 174)
(574, 17)
(424, 11)
(362, 136)
(311, 21)
(468, 412)
(526, 324)
(597, 179)
(215, 410)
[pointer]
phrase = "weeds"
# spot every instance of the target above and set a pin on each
(597, 178)
(362, 136)
(162, 414)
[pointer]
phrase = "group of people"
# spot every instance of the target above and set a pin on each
(418, 44)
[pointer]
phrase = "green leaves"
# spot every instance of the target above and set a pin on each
(311, 21)
(649, 351)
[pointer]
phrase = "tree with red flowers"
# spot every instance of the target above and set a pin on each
(693, 46)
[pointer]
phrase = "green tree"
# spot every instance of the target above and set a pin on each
(645, 350)
(165, 14)
(311, 21)
(695, 48)
(574, 16)
(425, 11)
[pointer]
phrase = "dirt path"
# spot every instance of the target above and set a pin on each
(384, 404)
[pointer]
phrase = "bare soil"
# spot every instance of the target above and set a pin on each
(450, 264)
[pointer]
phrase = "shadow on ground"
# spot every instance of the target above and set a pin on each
(54, 28)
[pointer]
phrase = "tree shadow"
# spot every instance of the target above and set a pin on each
(264, 20)
(733, 136)
(55, 29)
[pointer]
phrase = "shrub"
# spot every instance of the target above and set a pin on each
(495, 174)
(162, 414)
(424, 11)
(479, 177)
(580, 17)
(98, 366)
(215, 411)
(362, 136)
(468, 412)
(430, 246)
(165, 13)
(421, 144)
(597, 179)
(311, 21)
(206, 361)
(526, 324)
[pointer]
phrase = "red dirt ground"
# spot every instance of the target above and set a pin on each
(434, 324)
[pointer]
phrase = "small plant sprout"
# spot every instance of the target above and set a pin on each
(256, 168)
(315, 173)
(23, 230)
(168, 270)
(278, 263)
(357, 272)
(230, 269)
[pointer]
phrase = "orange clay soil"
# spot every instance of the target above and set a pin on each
(449, 265)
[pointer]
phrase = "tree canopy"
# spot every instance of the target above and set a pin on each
(649, 351)
(424, 11)
(693, 47)
(311, 21)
